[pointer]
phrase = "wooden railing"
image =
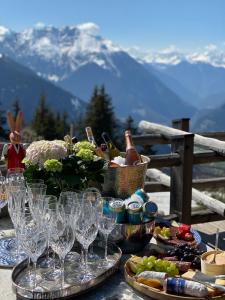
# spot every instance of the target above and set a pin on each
(181, 160)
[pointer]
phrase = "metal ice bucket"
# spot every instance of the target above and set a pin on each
(132, 238)
(123, 181)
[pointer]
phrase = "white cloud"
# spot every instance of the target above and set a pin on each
(88, 27)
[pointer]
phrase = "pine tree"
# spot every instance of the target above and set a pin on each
(129, 125)
(44, 121)
(100, 115)
(2, 123)
(62, 126)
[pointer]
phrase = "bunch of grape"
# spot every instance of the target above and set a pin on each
(152, 264)
(187, 253)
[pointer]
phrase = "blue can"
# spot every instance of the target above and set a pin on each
(150, 209)
(134, 212)
(118, 206)
(175, 285)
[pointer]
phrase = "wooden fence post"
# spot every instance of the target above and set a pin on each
(181, 176)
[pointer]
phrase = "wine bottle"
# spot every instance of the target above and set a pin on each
(112, 150)
(90, 136)
(132, 157)
(91, 139)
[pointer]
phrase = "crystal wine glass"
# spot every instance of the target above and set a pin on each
(16, 206)
(86, 232)
(62, 237)
(33, 239)
(106, 225)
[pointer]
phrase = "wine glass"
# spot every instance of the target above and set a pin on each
(15, 174)
(3, 194)
(16, 206)
(36, 193)
(47, 209)
(86, 232)
(71, 202)
(93, 195)
(62, 237)
(106, 225)
(34, 240)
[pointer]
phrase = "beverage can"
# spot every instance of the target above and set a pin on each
(150, 209)
(118, 207)
(134, 212)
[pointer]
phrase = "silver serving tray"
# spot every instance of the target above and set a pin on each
(51, 290)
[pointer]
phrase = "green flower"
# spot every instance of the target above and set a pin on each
(53, 165)
(26, 161)
(85, 154)
(83, 145)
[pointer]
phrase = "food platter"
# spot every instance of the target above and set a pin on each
(175, 234)
(157, 293)
(52, 290)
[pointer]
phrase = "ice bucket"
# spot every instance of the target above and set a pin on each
(132, 238)
(123, 181)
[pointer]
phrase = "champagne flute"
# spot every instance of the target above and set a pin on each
(106, 225)
(86, 232)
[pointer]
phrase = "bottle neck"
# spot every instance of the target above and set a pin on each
(129, 142)
(90, 136)
(108, 141)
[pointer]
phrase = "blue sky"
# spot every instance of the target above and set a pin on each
(151, 24)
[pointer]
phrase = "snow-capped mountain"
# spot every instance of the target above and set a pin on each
(210, 54)
(56, 52)
(77, 58)
(19, 82)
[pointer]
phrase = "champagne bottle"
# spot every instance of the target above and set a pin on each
(91, 139)
(112, 150)
(132, 157)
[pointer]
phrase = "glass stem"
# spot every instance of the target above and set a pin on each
(54, 258)
(29, 267)
(85, 259)
(47, 249)
(35, 274)
(106, 245)
(17, 248)
(82, 256)
(62, 272)
(91, 251)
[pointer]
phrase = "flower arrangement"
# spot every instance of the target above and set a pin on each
(63, 166)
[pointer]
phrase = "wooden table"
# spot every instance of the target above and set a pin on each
(115, 288)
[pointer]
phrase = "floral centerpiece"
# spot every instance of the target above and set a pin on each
(63, 166)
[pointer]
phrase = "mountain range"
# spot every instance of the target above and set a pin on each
(20, 82)
(71, 60)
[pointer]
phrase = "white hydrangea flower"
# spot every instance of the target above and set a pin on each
(38, 152)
